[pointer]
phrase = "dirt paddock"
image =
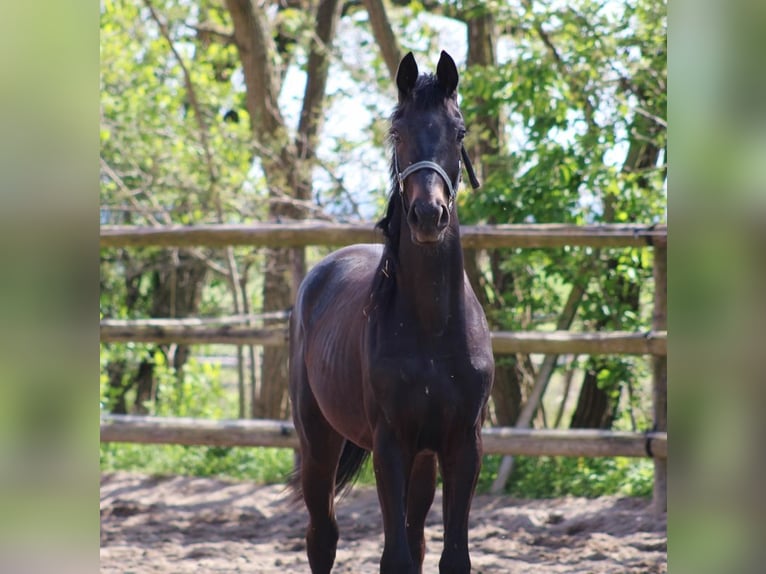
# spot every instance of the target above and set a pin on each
(181, 524)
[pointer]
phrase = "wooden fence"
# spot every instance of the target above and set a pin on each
(281, 434)
(301, 234)
(508, 441)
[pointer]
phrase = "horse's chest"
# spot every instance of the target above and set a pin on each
(433, 376)
(429, 387)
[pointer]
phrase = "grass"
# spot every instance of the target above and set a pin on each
(533, 477)
(556, 476)
(261, 465)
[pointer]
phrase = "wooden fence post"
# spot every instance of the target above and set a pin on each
(660, 375)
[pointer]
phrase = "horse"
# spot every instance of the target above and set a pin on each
(390, 351)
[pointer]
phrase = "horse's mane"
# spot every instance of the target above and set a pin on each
(382, 282)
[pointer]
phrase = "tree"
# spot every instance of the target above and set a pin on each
(160, 125)
(571, 93)
(286, 161)
(163, 79)
(565, 106)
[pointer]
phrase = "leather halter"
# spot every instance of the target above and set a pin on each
(425, 164)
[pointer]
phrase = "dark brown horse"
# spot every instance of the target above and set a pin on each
(390, 350)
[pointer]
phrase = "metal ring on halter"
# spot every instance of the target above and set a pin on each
(401, 176)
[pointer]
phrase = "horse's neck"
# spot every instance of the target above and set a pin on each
(431, 282)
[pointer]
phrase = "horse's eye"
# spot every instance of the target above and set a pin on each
(460, 135)
(395, 137)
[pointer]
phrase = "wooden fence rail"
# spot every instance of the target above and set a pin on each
(281, 434)
(508, 441)
(299, 234)
(503, 342)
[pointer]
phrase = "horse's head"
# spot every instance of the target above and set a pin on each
(427, 132)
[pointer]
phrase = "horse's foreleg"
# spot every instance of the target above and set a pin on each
(392, 467)
(460, 470)
(420, 496)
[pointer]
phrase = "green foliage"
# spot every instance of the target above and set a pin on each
(548, 477)
(261, 465)
(578, 96)
(199, 393)
(167, 152)
(534, 477)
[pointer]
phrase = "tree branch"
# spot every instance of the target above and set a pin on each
(131, 195)
(384, 35)
(257, 51)
(327, 16)
(224, 36)
(203, 132)
(575, 85)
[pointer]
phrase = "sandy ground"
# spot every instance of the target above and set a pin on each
(181, 524)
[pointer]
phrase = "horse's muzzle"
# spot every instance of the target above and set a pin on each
(428, 221)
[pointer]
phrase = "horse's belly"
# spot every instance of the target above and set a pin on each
(342, 409)
(336, 383)
(347, 418)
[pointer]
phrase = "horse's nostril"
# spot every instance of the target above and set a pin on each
(413, 215)
(443, 218)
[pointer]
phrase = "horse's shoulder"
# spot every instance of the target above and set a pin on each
(339, 280)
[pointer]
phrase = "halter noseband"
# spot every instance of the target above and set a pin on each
(425, 164)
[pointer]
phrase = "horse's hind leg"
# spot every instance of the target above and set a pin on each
(420, 496)
(320, 448)
(318, 484)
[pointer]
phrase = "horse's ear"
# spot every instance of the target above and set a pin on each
(406, 76)
(446, 74)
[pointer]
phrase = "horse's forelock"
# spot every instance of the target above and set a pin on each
(428, 93)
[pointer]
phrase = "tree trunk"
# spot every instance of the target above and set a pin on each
(277, 296)
(115, 370)
(506, 392)
(384, 35)
(177, 293)
(287, 164)
(144, 383)
(595, 407)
